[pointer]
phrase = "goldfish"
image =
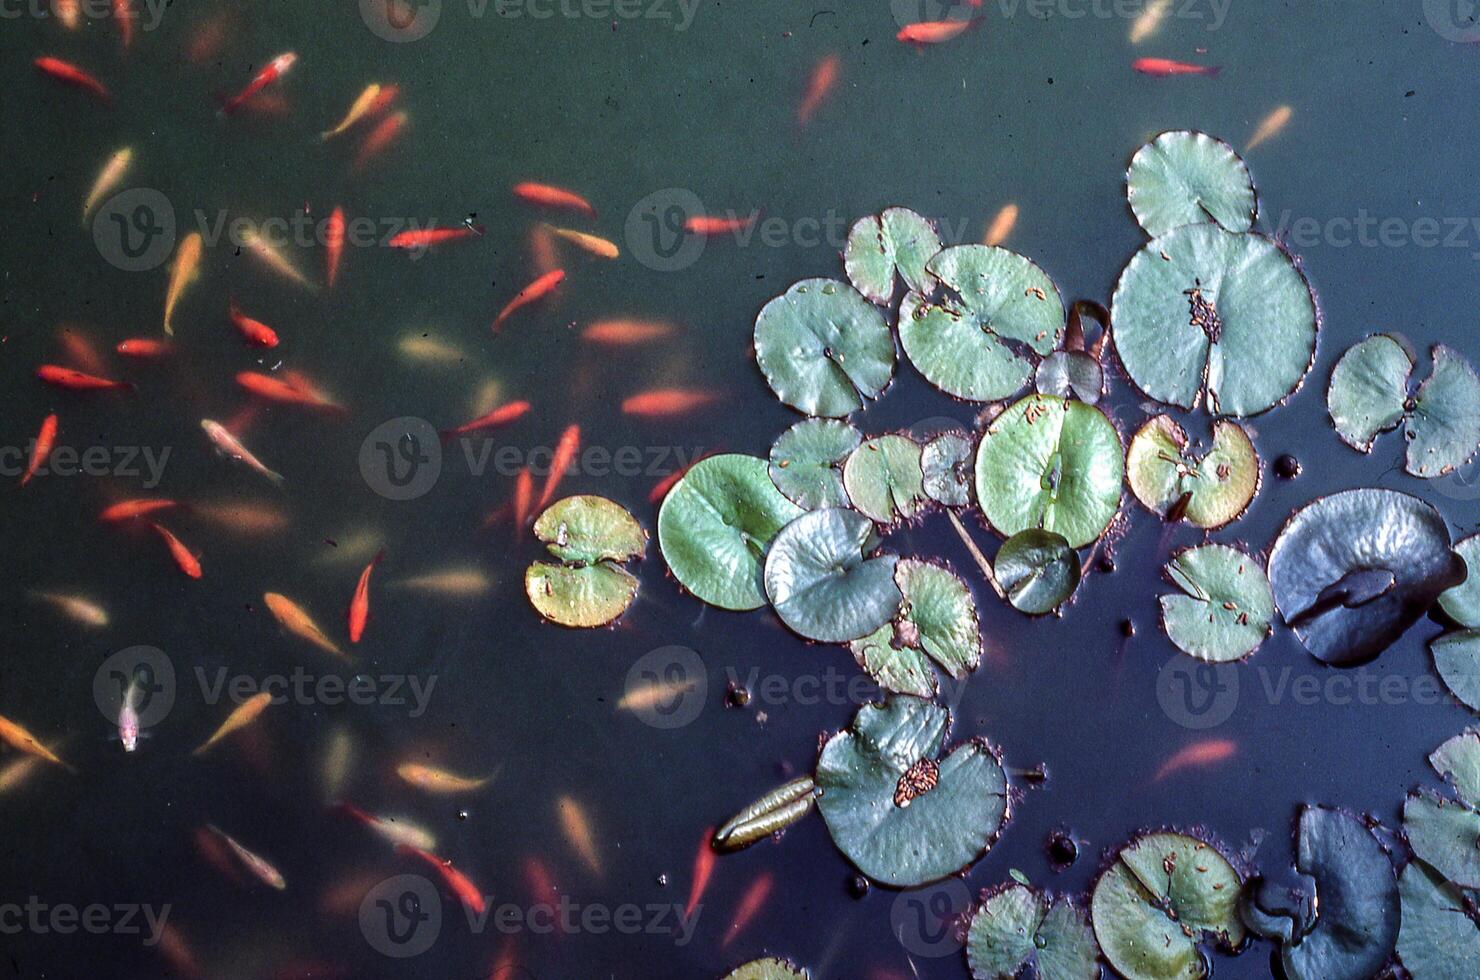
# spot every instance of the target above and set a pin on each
(142, 348)
(824, 77)
(333, 245)
(429, 349)
(1149, 22)
(241, 716)
(255, 864)
(243, 518)
(394, 829)
(274, 259)
(283, 392)
(621, 333)
(254, 332)
(545, 195)
(230, 446)
(1163, 68)
(703, 868)
(450, 582)
(750, 903)
(486, 396)
(81, 351)
(359, 605)
(457, 882)
(127, 510)
(79, 609)
(666, 401)
(536, 290)
(69, 73)
(523, 496)
(18, 738)
(108, 178)
(183, 272)
(708, 225)
(338, 758)
(72, 380)
(577, 829)
(503, 415)
(46, 438)
(17, 771)
(649, 696)
(295, 620)
(427, 237)
(594, 244)
(543, 256)
(565, 454)
(184, 560)
(1001, 226)
(128, 716)
(932, 31)
(379, 139)
(1270, 126)
(440, 781)
(357, 111)
(537, 877)
(69, 12)
(1204, 753)
(276, 68)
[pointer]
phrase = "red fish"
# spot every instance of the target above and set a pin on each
(536, 290)
(276, 68)
(124, 14)
(1164, 68)
(750, 903)
(67, 72)
(703, 224)
(502, 415)
(427, 237)
(254, 332)
(457, 882)
(932, 31)
(142, 348)
(72, 380)
(80, 350)
(283, 392)
(379, 140)
(623, 333)
(660, 490)
(523, 497)
(547, 196)
(187, 562)
(1204, 753)
(45, 439)
(359, 606)
(667, 401)
(334, 245)
(824, 77)
(703, 868)
(537, 877)
(127, 510)
(565, 454)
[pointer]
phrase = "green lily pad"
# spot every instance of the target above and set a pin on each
(715, 525)
(1038, 570)
(1462, 602)
(1439, 938)
(937, 618)
(823, 348)
(1458, 761)
(1446, 835)
(1444, 424)
(1368, 389)
(888, 657)
(590, 529)
(1202, 308)
(1164, 893)
(1050, 463)
(1169, 479)
(945, 462)
(581, 596)
(900, 816)
(884, 480)
(820, 581)
(807, 462)
(1457, 658)
(769, 968)
(1226, 605)
(1183, 178)
(1016, 924)
(591, 535)
(899, 240)
(1071, 372)
(1352, 571)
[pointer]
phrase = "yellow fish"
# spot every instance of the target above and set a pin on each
(577, 829)
(242, 716)
(1001, 226)
(16, 771)
(1270, 127)
(291, 617)
(78, 608)
(649, 696)
(428, 349)
(435, 780)
(275, 260)
(597, 246)
(356, 112)
(108, 178)
(182, 274)
(18, 738)
(450, 581)
(1150, 20)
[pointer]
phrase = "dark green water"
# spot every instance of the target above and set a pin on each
(1041, 112)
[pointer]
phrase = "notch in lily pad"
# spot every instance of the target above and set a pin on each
(936, 622)
(885, 480)
(1170, 479)
(898, 241)
(823, 583)
(1185, 177)
(1225, 606)
(1038, 571)
(1016, 925)
(824, 348)
(592, 537)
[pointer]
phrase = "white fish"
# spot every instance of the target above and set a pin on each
(230, 445)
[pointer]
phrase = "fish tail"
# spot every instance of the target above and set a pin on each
(1214, 71)
(278, 480)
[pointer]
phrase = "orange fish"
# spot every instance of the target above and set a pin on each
(593, 244)
(1001, 226)
(502, 415)
(537, 878)
(283, 392)
(565, 454)
(276, 68)
(543, 256)
(241, 716)
(577, 828)
(660, 490)
(824, 77)
(254, 332)
(1204, 753)
(243, 518)
(667, 401)
(704, 224)
(379, 140)
(113, 171)
(523, 496)
(536, 290)
(295, 620)
(457, 882)
(69, 12)
(359, 606)
(256, 865)
(932, 31)
(80, 350)
(1164, 68)
(72, 380)
(1270, 126)
(143, 348)
(547, 196)
(69, 73)
(427, 237)
(124, 14)
(357, 111)
(45, 440)
(187, 562)
(127, 510)
(18, 738)
(750, 903)
(703, 868)
(621, 333)
(333, 245)
(182, 273)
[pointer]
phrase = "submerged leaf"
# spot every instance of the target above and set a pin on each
(1016, 924)
(946, 464)
(1439, 938)
(1462, 602)
(820, 581)
(899, 240)
(1170, 480)
(1225, 608)
(1038, 570)
(807, 462)
(823, 348)
(884, 480)
(1184, 177)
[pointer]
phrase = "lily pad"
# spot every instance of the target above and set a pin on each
(1445, 834)
(902, 817)
(1050, 463)
(1201, 308)
(1439, 938)
(1184, 177)
(1352, 571)
(1016, 924)
(582, 596)
(1444, 423)
(715, 526)
(769, 968)
(1225, 607)
(822, 584)
(1457, 658)
(899, 240)
(807, 462)
(1038, 570)
(590, 529)
(823, 348)
(888, 656)
(591, 535)
(1164, 893)
(1369, 386)
(1462, 602)
(945, 462)
(1458, 761)
(1169, 479)
(1071, 372)
(938, 619)
(884, 480)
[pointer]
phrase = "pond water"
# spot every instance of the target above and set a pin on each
(641, 109)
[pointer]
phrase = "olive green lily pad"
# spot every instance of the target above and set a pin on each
(1225, 607)
(582, 596)
(1458, 761)
(1439, 937)
(937, 619)
(591, 535)
(769, 968)
(807, 462)
(1038, 570)
(824, 348)
(1164, 893)
(899, 240)
(1462, 602)
(1457, 658)
(1369, 386)
(1171, 480)
(1050, 463)
(715, 525)
(1445, 834)
(884, 480)
(1016, 924)
(589, 529)
(945, 462)
(822, 584)
(1184, 177)
(1071, 372)
(1201, 308)
(902, 817)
